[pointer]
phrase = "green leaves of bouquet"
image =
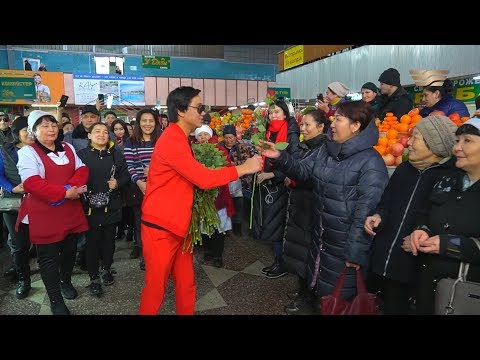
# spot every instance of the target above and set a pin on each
(204, 213)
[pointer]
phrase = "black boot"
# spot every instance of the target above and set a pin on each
(11, 273)
(68, 291)
(237, 229)
(278, 270)
(271, 267)
(24, 285)
(59, 308)
(95, 287)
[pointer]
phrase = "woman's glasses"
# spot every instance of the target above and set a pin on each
(200, 108)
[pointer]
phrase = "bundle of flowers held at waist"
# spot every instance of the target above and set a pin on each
(204, 213)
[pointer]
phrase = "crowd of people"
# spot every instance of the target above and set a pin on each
(326, 203)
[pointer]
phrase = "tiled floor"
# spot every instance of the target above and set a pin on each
(239, 288)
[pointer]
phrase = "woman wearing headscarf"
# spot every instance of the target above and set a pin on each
(53, 178)
(449, 222)
(393, 271)
(13, 188)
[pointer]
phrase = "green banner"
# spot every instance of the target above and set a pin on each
(156, 62)
(465, 89)
(280, 92)
(12, 89)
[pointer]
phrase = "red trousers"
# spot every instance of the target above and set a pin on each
(162, 251)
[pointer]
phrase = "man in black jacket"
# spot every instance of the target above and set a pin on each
(394, 97)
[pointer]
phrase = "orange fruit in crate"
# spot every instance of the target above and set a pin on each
(413, 112)
(463, 119)
(416, 118)
(402, 127)
(382, 141)
(406, 119)
(392, 134)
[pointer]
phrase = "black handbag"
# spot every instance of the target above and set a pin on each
(458, 296)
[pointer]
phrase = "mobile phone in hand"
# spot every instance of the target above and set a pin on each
(101, 97)
(63, 101)
(320, 97)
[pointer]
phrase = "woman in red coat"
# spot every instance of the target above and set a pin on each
(53, 178)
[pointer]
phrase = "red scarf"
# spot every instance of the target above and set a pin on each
(280, 127)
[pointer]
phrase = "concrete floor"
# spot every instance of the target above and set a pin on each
(239, 288)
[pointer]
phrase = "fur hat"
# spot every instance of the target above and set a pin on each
(390, 76)
(439, 134)
(229, 129)
(338, 88)
(203, 128)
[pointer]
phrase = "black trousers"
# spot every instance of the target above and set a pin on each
(238, 204)
(137, 215)
(100, 239)
(56, 264)
(214, 245)
(395, 295)
(20, 245)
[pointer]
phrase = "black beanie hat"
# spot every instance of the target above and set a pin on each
(390, 76)
(229, 129)
(370, 86)
(18, 124)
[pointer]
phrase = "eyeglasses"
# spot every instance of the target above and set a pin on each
(200, 108)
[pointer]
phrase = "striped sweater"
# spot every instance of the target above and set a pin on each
(138, 156)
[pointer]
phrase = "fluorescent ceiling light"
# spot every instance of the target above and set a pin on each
(476, 77)
(232, 108)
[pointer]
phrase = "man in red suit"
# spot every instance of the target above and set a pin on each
(167, 205)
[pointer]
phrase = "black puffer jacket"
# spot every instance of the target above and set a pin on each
(453, 215)
(407, 192)
(399, 103)
(348, 182)
(298, 234)
(270, 197)
(100, 163)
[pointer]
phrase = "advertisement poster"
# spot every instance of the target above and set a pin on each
(30, 87)
(126, 90)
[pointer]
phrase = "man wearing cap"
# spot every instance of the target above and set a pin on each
(394, 97)
(335, 94)
(5, 131)
(393, 271)
(238, 153)
(79, 136)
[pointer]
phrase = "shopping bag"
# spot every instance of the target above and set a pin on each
(458, 296)
(363, 303)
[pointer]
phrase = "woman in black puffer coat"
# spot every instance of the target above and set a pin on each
(108, 173)
(298, 232)
(270, 195)
(348, 178)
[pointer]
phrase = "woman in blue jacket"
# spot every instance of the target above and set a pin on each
(440, 98)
